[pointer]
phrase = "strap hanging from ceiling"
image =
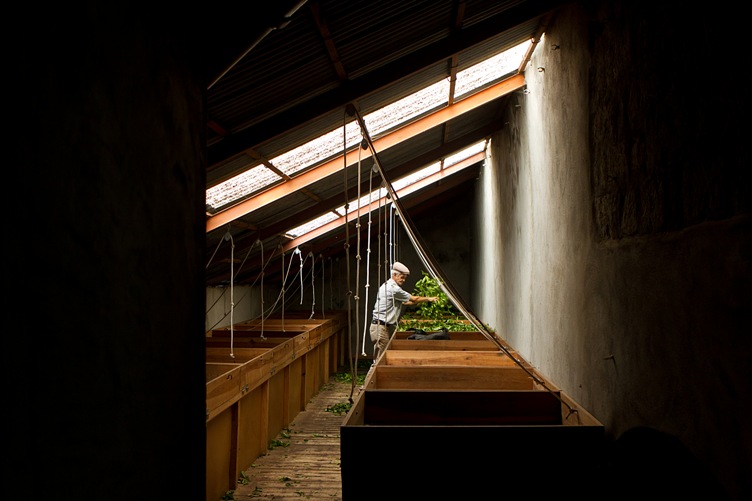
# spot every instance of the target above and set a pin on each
(228, 236)
(368, 264)
(363, 144)
(313, 289)
(347, 256)
(263, 267)
(323, 282)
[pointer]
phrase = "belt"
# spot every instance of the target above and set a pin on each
(381, 322)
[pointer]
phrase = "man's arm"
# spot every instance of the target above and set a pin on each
(420, 299)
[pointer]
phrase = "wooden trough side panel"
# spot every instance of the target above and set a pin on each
(252, 434)
(216, 369)
(312, 383)
(323, 356)
(470, 462)
(237, 355)
(223, 390)
(277, 402)
(355, 415)
(245, 342)
(283, 354)
(295, 390)
(581, 418)
(454, 408)
(447, 358)
(218, 455)
(247, 332)
(441, 344)
(426, 377)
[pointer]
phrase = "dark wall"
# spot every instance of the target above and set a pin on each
(103, 352)
(624, 195)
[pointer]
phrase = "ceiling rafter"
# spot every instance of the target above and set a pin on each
(326, 35)
(354, 89)
(324, 206)
(335, 165)
(445, 180)
(407, 190)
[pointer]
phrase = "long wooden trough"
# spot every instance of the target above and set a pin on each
(465, 419)
(258, 378)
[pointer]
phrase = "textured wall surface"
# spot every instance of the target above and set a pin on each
(623, 195)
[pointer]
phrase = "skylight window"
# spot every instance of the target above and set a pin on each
(401, 111)
(252, 180)
(489, 70)
(463, 154)
(387, 118)
(317, 150)
(313, 224)
(416, 176)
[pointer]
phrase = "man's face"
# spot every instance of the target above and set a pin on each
(400, 278)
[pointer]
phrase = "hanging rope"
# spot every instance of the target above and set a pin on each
(259, 278)
(228, 236)
(300, 273)
(284, 284)
(313, 289)
(366, 323)
(347, 256)
(331, 280)
(438, 275)
(323, 281)
(381, 239)
(237, 272)
(281, 296)
(358, 257)
(263, 267)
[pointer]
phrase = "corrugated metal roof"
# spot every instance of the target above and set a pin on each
(296, 82)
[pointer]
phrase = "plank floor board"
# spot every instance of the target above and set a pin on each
(309, 467)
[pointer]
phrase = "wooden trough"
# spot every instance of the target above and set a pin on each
(465, 419)
(258, 378)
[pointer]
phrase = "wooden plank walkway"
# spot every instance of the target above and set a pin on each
(307, 466)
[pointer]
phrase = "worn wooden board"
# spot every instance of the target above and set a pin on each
(440, 344)
(224, 388)
(447, 358)
(307, 463)
(245, 342)
(426, 377)
(235, 355)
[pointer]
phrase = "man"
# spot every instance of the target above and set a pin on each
(388, 307)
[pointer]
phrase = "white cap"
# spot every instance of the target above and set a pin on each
(401, 268)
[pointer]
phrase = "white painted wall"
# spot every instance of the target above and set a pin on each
(219, 305)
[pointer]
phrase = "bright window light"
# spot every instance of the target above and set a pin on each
(492, 68)
(463, 154)
(313, 224)
(423, 173)
(401, 111)
(252, 180)
(315, 151)
(387, 118)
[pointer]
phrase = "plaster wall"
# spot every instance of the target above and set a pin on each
(229, 305)
(623, 218)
